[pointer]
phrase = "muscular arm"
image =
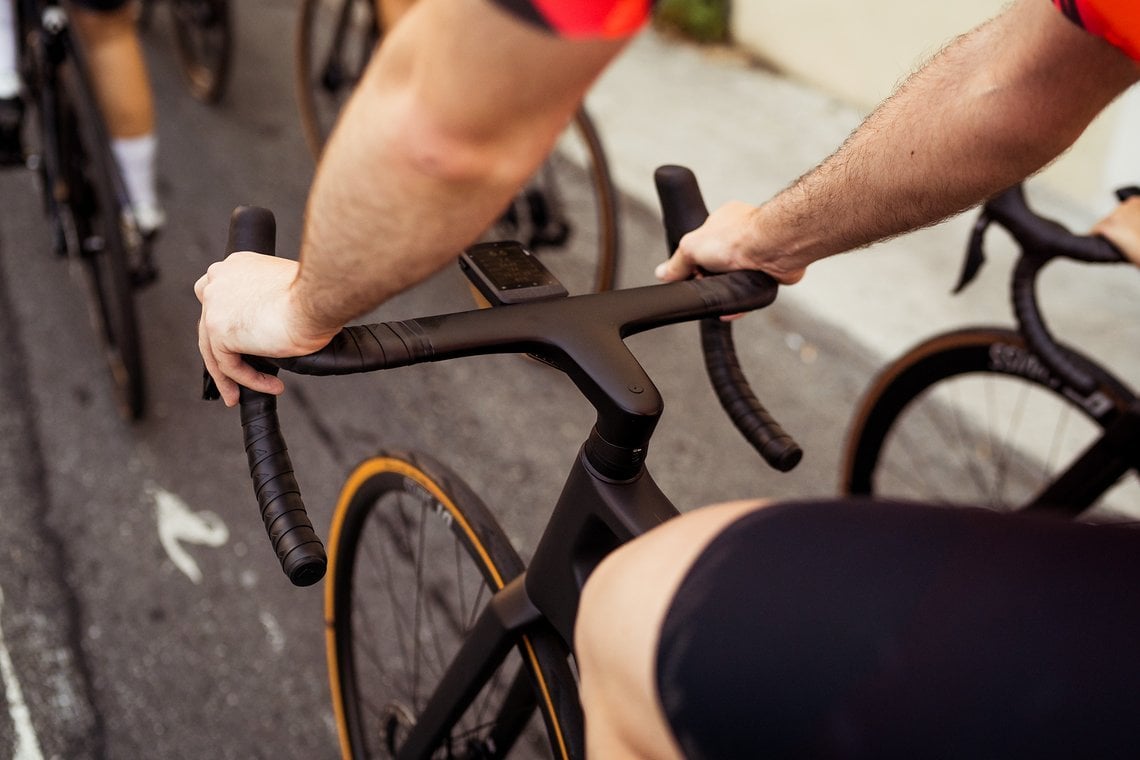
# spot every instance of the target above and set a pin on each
(992, 108)
(458, 108)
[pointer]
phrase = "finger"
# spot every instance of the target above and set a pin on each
(675, 268)
(200, 287)
(227, 389)
(238, 371)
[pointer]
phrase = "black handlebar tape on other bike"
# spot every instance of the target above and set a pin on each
(1037, 335)
(1042, 240)
(298, 548)
(683, 208)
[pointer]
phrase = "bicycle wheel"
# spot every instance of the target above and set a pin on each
(104, 230)
(204, 43)
(972, 417)
(334, 42)
(566, 214)
(414, 556)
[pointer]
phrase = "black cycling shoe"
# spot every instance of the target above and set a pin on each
(11, 126)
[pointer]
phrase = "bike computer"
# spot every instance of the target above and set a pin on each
(506, 273)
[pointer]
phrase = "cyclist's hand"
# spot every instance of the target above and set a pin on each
(247, 309)
(1122, 228)
(726, 242)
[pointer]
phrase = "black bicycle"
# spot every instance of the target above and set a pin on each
(441, 641)
(1000, 417)
(203, 42)
(568, 210)
(92, 223)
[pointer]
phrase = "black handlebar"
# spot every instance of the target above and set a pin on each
(299, 550)
(684, 210)
(1041, 240)
(594, 356)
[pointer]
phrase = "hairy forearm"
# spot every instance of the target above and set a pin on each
(988, 111)
(429, 150)
(379, 196)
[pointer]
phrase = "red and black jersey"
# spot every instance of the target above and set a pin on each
(582, 18)
(1117, 21)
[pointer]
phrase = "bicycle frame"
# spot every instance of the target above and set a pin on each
(42, 43)
(45, 43)
(1101, 465)
(593, 516)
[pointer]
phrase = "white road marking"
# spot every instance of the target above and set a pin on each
(273, 632)
(178, 524)
(27, 744)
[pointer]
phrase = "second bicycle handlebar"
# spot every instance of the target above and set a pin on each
(1041, 240)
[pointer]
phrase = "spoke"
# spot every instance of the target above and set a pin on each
(416, 627)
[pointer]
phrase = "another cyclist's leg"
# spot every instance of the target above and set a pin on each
(11, 106)
(118, 68)
(616, 634)
(880, 629)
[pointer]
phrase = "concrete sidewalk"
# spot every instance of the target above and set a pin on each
(747, 133)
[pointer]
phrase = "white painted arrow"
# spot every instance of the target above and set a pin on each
(178, 524)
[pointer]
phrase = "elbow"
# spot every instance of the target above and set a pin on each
(438, 147)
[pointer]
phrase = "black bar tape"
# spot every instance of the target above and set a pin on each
(1041, 237)
(753, 421)
(737, 292)
(298, 549)
(1037, 334)
(683, 209)
(362, 348)
(1042, 240)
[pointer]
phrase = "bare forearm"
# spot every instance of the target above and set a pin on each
(428, 152)
(990, 110)
(372, 204)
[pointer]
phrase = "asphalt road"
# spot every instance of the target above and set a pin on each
(143, 613)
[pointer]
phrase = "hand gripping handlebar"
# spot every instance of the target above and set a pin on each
(300, 551)
(684, 210)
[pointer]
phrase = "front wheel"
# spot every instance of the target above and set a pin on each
(414, 556)
(973, 418)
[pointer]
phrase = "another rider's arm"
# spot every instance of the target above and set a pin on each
(458, 108)
(1122, 228)
(993, 107)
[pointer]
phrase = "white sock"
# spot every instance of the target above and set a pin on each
(136, 159)
(9, 68)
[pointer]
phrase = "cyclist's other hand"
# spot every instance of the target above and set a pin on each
(1122, 228)
(728, 241)
(247, 308)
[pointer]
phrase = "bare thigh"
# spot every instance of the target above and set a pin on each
(623, 606)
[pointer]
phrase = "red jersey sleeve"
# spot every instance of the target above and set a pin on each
(605, 18)
(1117, 21)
